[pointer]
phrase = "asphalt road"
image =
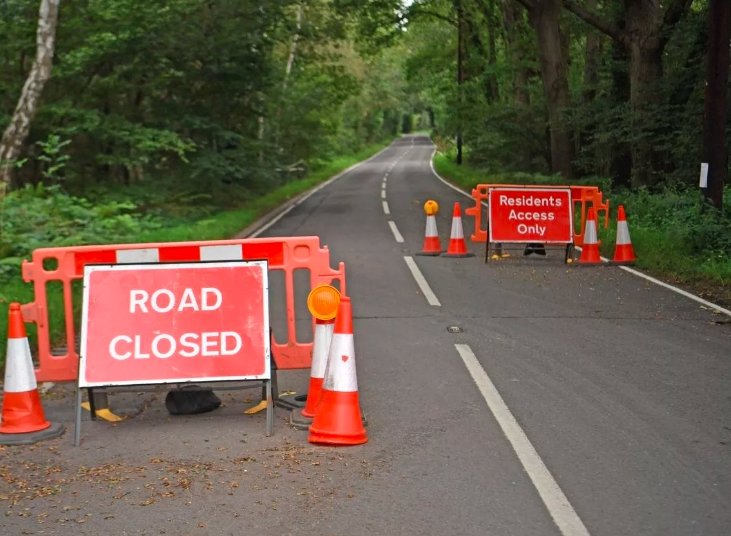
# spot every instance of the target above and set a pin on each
(572, 400)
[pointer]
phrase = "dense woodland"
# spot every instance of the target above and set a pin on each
(223, 100)
(248, 91)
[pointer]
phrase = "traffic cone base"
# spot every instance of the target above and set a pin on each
(342, 423)
(624, 254)
(20, 415)
(313, 397)
(54, 429)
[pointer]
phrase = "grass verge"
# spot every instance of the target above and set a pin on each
(217, 226)
(674, 239)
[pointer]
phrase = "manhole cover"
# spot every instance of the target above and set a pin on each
(455, 329)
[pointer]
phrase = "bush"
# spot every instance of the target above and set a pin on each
(40, 216)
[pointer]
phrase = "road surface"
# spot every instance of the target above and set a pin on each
(519, 397)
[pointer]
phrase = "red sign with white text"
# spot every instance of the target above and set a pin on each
(170, 323)
(542, 215)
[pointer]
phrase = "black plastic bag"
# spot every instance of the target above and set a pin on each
(191, 399)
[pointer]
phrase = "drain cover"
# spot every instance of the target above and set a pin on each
(455, 329)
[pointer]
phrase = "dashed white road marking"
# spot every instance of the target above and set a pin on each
(396, 234)
(386, 210)
(421, 281)
(557, 504)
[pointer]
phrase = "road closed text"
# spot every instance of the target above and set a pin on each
(165, 345)
(530, 215)
(175, 322)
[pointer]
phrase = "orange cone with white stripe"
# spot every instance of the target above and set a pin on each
(624, 253)
(320, 350)
(432, 246)
(590, 249)
(457, 245)
(338, 418)
(22, 411)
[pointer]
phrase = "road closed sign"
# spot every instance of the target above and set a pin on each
(170, 323)
(542, 215)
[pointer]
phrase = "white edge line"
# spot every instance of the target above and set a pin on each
(682, 292)
(421, 281)
(314, 191)
(396, 234)
(668, 286)
(558, 505)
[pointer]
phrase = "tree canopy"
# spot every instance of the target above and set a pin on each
(250, 93)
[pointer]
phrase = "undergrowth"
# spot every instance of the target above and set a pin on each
(674, 234)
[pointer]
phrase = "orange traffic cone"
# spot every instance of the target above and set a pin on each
(590, 249)
(624, 253)
(320, 350)
(457, 245)
(23, 420)
(338, 418)
(432, 246)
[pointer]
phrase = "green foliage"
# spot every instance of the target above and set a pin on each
(203, 95)
(673, 233)
(52, 155)
(40, 216)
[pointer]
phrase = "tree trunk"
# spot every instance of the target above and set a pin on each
(544, 16)
(17, 131)
(620, 153)
(293, 47)
(512, 24)
(715, 152)
(460, 75)
(649, 24)
(645, 71)
(592, 51)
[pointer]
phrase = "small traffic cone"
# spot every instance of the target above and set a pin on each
(338, 418)
(432, 246)
(590, 249)
(23, 419)
(320, 350)
(457, 245)
(624, 253)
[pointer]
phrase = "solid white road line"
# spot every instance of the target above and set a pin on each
(312, 192)
(716, 308)
(396, 234)
(421, 281)
(558, 505)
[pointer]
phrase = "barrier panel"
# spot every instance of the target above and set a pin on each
(583, 196)
(146, 324)
(65, 265)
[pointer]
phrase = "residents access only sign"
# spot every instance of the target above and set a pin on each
(543, 215)
(171, 323)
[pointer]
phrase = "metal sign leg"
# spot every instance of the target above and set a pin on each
(270, 408)
(77, 428)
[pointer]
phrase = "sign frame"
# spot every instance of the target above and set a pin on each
(253, 329)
